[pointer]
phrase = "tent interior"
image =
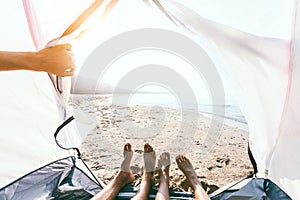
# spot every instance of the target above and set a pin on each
(256, 43)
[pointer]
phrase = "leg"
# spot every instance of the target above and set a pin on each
(164, 168)
(121, 179)
(149, 164)
(186, 167)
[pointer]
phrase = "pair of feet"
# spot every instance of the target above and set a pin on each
(125, 176)
(163, 166)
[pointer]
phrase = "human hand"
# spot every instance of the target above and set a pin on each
(57, 60)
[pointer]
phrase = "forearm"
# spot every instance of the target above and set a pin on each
(17, 61)
(55, 60)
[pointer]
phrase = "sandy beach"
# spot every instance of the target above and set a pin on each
(218, 152)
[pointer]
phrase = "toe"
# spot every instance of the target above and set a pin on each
(148, 148)
(127, 147)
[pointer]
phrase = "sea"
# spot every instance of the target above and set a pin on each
(229, 114)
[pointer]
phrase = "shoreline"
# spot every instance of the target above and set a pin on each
(218, 157)
(227, 119)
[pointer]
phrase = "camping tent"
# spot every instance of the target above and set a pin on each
(33, 104)
(32, 165)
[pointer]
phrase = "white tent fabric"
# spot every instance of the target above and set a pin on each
(266, 70)
(31, 109)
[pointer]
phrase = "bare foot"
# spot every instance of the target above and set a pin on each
(149, 158)
(123, 178)
(125, 175)
(164, 164)
(187, 168)
(127, 153)
(149, 164)
(164, 170)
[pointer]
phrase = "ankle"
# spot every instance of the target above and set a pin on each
(164, 174)
(196, 186)
(125, 176)
(148, 175)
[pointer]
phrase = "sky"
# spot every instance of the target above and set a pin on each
(268, 18)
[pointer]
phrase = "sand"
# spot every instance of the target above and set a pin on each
(218, 152)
